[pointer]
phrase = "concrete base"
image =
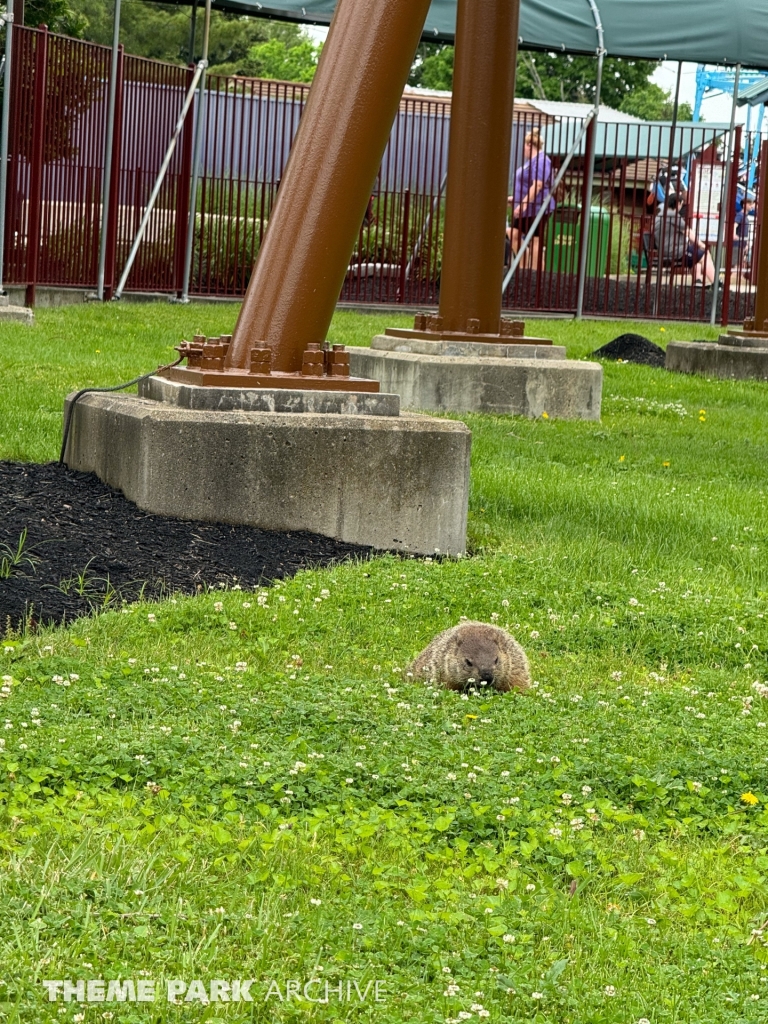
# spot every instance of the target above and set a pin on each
(504, 379)
(738, 359)
(391, 482)
(187, 396)
(15, 314)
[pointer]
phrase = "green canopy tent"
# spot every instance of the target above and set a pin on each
(704, 31)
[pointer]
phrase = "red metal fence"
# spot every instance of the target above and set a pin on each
(53, 214)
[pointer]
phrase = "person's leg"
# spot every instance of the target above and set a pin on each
(705, 266)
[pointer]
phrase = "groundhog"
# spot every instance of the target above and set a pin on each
(474, 654)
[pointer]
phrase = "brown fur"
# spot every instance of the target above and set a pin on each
(474, 654)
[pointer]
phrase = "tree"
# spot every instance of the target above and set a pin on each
(545, 76)
(162, 32)
(58, 15)
(556, 76)
(276, 59)
(652, 103)
(432, 67)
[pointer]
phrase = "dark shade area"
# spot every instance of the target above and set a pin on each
(86, 544)
(632, 348)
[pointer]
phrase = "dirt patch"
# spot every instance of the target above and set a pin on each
(632, 348)
(86, 546)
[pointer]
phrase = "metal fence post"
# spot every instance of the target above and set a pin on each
(730, 225)
(5, 129)
(586, 213)
(182, 202)
(37, 157)
(106, 182)
(404, 243)
(113, 198)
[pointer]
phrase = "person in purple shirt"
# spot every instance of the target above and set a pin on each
(533, 182)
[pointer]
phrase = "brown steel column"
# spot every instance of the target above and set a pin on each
(327, 183)
(478, 164)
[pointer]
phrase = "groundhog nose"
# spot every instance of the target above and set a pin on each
(486, 676)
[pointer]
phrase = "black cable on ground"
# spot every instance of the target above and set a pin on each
(116, 387)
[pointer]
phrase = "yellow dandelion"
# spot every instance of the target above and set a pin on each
(750, 799)
(470, 716)
(702, 412)
(545, 416)
(665, 464)
(662, 329)
(622, 458)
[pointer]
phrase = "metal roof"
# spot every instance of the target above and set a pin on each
(619, 141)
(754, 94)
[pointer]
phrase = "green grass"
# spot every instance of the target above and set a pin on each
(226, 786)
(96, 345)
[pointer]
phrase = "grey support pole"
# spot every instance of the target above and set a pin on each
(196, 160)
(192, 33)
(4, 129)
(106, 182)
(590, 163)
(659, 243)
(724, 199)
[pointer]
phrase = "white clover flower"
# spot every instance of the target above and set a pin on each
(567, 799)
(610, 990)
(586, 790)
(537, 995)
(535, 634)
(357, 927)
(508, 938)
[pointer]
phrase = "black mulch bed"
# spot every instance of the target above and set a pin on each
(88, 542)
(632, 348)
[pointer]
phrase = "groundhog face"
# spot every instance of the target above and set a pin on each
(478, 658)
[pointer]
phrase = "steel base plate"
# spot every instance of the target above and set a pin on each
(242, 379)
(500, 339)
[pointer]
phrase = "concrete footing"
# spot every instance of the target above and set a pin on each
(15, 314)
(516, 379)
(734, 356)
(366, 477)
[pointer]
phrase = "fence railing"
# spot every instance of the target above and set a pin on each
(58, 126)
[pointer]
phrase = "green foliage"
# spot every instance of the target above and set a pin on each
(13, 558)
(277, 59)
(652, 103)
(555, 76)
(60, 16)
(162, 32)
(551, 76)
(433, 67)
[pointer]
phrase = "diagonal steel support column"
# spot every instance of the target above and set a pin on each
(478, 165)
(327, 183)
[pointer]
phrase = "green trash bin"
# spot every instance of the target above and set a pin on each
(562, 241)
